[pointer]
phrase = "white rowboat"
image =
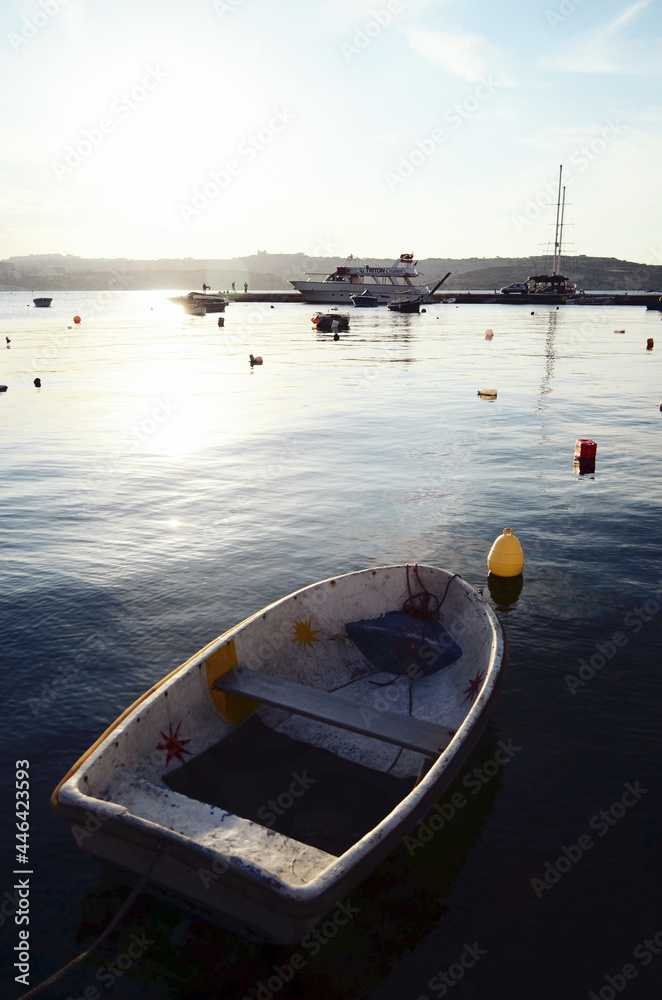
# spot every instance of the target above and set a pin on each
(269, 774)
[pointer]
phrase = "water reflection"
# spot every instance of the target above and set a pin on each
(505, 591)
(550, 359)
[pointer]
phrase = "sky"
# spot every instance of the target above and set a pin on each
(216, 128)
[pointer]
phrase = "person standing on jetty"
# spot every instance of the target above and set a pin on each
(245, 287)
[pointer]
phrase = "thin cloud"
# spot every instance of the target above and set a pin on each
(471, 57)
(604, 51)
(623, 19)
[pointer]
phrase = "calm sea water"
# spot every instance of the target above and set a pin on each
(157, 490)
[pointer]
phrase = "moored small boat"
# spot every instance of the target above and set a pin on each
(365, 300)
(330, 322)
(269, 774)
(200, 303)
(405, 305)
(42, 302)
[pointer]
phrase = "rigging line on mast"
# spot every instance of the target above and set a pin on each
(561, 228)
(557, 255)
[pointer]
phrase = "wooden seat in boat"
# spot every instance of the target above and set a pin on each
(403, 730)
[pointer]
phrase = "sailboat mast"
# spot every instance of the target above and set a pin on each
(557, 249)
(561, 227)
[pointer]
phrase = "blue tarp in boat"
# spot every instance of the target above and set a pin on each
(397, 643)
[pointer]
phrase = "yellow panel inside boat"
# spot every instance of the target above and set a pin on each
(234, 707)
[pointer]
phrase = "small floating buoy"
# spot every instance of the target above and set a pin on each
(423, 310)
(506, 558)
(532, 313)
(649, 344)
(37, 382)
(254, 361)
(585, 448)
(336, 336)
(487, 393)
(76, 319)
(221, 321)
(3, 388)
(585, 451)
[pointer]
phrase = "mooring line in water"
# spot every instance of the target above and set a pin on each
(124, 909)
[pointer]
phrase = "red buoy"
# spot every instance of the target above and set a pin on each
(585, 451)
(585, 448)
(76, 319)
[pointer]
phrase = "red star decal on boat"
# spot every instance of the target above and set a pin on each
(174, 744)
(474, 687)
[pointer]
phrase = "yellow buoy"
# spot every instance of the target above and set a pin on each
(506, 558)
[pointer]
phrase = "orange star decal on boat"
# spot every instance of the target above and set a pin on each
(304, 633)
(474, 687)
(174, 744)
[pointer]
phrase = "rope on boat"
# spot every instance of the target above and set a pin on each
(124, 909)
(423, 606)
(418, 605)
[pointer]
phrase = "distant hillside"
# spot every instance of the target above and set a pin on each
(266, 271)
